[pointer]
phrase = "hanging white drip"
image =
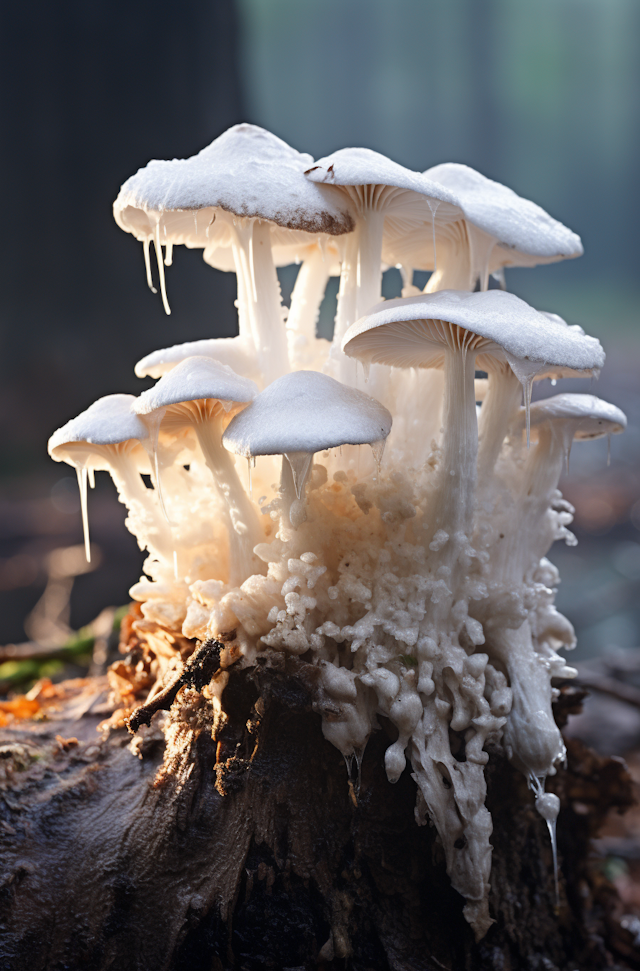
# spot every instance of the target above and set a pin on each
(82, 485)
(147, 263)
(160, 261)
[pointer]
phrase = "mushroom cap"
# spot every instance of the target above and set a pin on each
(235, 352)
(363, 166)
(108, 421)
(402, 333)
(248, 172)
(306, 411)
(193, 379)
(525, 233)
(415, 208)
(590, 416)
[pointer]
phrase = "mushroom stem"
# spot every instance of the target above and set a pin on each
(502, 399)
(305, 305)
(463, 259)
(240, 250)
(242, 521)
(454, 271)
(296, 467)
(146, 520)
(460, 442)
(267, 309)
(341, 367)
(257, 277)
(544, 464)
(369, 267)
(346, 310)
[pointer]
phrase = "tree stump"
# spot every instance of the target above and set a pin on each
(241, 843)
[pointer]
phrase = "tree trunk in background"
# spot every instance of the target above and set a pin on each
(245, 847)
(92, 92)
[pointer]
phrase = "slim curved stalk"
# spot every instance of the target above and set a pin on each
(460, 443)
(146, 519)
(259, 303)
(306, 298)
(242, 520)
(501, 401)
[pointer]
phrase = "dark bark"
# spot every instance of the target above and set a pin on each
(240, 844)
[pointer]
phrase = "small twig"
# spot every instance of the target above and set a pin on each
(444, 967)
(610, 686)
(196, 673)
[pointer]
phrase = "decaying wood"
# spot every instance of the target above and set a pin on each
(230, 838)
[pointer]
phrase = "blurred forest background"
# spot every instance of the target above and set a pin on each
(540, 96)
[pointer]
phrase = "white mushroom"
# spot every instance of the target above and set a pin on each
(556, 422)
(499, 229)
(531, 737)
(390, 201)
(229, 197)
(578, 356)
(109, 435)
(300, 414)
(200, 393)
(456, 330)
(238, 353)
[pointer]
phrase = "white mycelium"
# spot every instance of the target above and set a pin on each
(418, 585)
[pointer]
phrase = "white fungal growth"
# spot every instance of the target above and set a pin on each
(499, 229)
(414, 579)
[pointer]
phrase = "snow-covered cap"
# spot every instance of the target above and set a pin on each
(419, 200)
(306, 411)
(194, 379)
(408, 332)
(108, 421)
(247, 172)
(525, 234)
(236, 352)
(588, 416)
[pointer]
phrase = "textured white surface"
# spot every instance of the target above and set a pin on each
(516, 223)
(306, 412)
(247, 171)
(108, 421)
(236, 352)
(398, 332)
(195, 378)
(591, 417)
(416, 595)
(362, 166)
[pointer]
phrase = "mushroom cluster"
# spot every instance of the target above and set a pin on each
(412, 575)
